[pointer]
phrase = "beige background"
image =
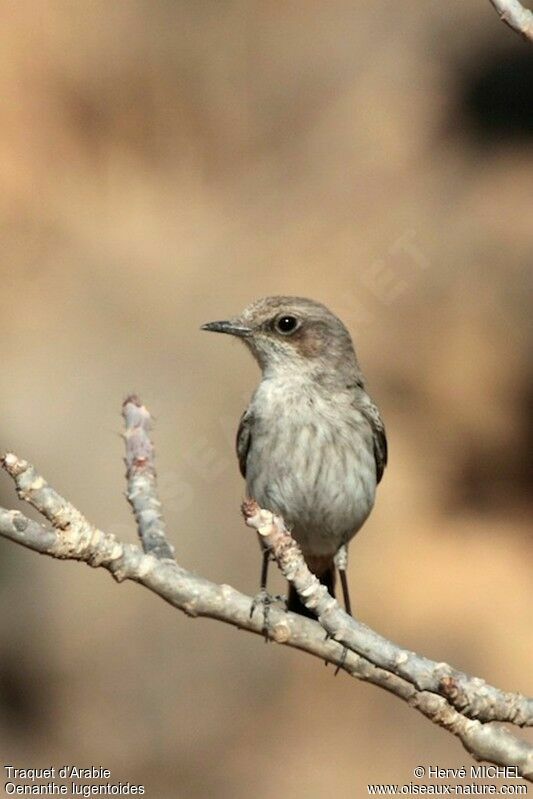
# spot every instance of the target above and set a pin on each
(164, 163)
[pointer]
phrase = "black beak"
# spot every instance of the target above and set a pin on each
(232, 328)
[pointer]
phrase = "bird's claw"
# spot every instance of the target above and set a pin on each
(342, 661)
(266, 600)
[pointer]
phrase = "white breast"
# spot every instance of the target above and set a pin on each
(311, 459)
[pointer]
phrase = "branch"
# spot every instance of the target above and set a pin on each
(141, 478)
(469, 695)
(449, 698)
(465, 706)
(517, 17)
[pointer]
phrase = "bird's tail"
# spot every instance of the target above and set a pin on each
(296, 605)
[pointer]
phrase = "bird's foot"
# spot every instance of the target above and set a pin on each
(265, 600)
(342, 661)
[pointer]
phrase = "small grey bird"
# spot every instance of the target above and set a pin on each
(311, 444)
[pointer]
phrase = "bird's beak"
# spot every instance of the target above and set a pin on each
(232, 328)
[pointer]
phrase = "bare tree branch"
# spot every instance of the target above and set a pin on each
(141, 478)
(465, 706)
(469, 695)
(518, 18)
(448, 697)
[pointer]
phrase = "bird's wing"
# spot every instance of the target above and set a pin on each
(372, 415)
(244, 440)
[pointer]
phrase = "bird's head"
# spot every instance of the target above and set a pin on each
(289, 333)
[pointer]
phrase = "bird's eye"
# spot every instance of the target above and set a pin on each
(286, 324)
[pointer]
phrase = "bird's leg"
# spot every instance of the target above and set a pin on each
(341, 562)
(345, 592)
(263, 598)
(264, 570)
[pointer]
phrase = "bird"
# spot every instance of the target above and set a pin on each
(311, 444)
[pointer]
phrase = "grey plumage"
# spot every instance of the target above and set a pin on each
(311, 444)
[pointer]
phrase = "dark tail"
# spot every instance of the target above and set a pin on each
(295, 604)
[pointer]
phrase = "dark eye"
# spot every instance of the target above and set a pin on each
(286, 324)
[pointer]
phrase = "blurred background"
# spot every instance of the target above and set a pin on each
(163, 164)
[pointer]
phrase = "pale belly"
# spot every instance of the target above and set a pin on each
(314, 469)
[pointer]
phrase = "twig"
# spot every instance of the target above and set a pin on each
(463, 705)
(517, 17)
(199, 597)
(196, 596)
(142, 480)
(469, 695)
